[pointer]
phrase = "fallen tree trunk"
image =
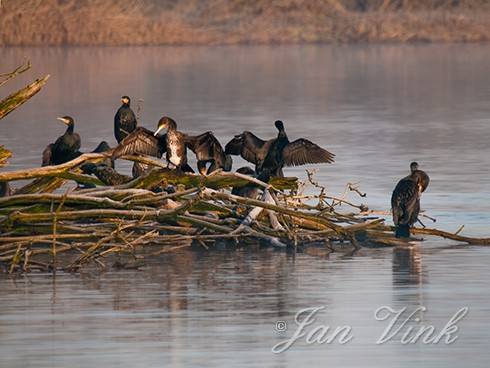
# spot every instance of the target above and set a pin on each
(56, 231)
(13, 101)
(4, 155)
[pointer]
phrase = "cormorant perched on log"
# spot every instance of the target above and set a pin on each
(105, 174)
(271, 156)
(124, 120)
(405, 200)
(66, 147)
(250, 190)
(88, 168)
(144, 142)
(175, 144)
(5, 190)
(101, 148)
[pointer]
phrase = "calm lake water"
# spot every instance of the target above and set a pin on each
(376, 107)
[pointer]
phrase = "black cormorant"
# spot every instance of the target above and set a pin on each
(174, 143)
(105, 173)
(141, 141)
(405, 200)
(5, 190)
(87, 168)
(124, 120)
(250, 190)
(66, 147)
(101, 148)
(271, 156)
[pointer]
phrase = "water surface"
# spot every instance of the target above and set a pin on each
(376, 107)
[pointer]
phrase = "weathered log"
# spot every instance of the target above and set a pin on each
(4, 78)
(218, 181)
(58, 198)
(4, 155)
(48, 170)
(448, 235)
(254, 202)
(158, 215)
(41, 185)
(150, 180)
(11, 102)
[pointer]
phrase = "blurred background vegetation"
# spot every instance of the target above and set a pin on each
(207, 22)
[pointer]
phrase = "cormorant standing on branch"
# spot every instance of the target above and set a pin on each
(5, 190)
(175, 143)
(405, 200)
(271, 156)
(66, 147)
(89, 167)
(101, 148)
(250, 190)
(105, 173)
(205, 146)
(124, 120)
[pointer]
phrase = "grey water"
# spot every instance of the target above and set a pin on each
(376, 107)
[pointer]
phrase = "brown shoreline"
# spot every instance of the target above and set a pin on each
(235, 22)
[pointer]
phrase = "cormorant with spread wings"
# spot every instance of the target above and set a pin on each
(271, 156)
(175, 143)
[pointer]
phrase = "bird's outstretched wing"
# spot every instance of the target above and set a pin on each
(205, 146)
(302, 151)
(249, 146)
(102, 147)
(48, 155)
(141, 141)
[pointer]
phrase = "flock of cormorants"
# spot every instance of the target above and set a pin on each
(268, 156)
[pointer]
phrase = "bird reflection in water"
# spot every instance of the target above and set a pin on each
(407, 265)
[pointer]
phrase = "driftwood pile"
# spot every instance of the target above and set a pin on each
(53, 224)
(125, 224)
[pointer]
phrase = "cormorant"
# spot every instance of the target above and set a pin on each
(5, 190)
(175, 144)
(88, 169)
(405, 200)
(144, 142)
(101, 148)
(271, 156)
(124, 120)
(66, 147)
(105, 173)
(250, 190)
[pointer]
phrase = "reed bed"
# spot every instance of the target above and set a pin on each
(212, 22)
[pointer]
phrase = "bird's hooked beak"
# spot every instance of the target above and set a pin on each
(160, 128)
(63, 120)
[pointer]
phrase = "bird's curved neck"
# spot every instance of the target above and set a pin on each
(282, 134)
(172, 127)
(70, 129)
